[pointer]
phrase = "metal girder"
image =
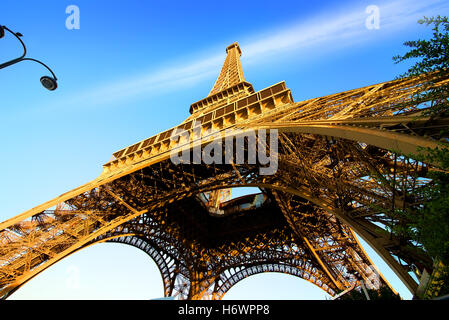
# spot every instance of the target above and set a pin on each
(398, 142)
(343, 166)
(220, 266)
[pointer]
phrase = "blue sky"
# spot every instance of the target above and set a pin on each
(133, 69)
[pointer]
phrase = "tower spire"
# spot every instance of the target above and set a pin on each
(230, 85)
(231, 72)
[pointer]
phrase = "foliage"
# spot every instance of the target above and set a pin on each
(383, 293)
(428, 224)
(433, 52)
(439, 282)
(433, 57)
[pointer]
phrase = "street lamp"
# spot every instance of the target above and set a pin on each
(48, 82)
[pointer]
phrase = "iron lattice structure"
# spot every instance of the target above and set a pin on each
(339, 172)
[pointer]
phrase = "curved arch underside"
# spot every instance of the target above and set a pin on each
(177, 283)
(304, 192)
(236, 261)
(335, 175)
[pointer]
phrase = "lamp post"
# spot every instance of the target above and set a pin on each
(48, 82)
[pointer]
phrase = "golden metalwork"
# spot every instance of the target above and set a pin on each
(338, 173)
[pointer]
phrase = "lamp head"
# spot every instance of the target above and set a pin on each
(2, 32)
(49, 83)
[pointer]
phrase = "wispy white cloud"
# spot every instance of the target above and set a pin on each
(166, 79)
(341, 29)
(328, 30)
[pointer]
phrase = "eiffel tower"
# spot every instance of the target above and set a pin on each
(339, 172)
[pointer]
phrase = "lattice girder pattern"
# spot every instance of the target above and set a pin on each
(345, 163)
(156, 187)
(209, 261)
